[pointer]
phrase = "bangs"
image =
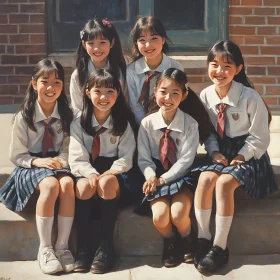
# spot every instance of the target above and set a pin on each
(97, 32)
(48, 69)
(103, 82)
(146, 29)
(224, 56)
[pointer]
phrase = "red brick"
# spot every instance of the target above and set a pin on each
(3, 80)
(235, 20)
(6, 70)
(37, 18)
(30, 49)
(254, 40)
(19, 99)
(38, 39)
(242, 30)
(273, 20)
(19, 79)
(32, 8)
(8, 8)
(8, 28)
(2, 49)
(34, 59)
(264, 11)
(6, 100)
(32, 28)
(249, 50)
(270, 50)
(255, 20)
(259, 88)
(13, 59)
(274, 71)
(18, 1)
(240, 11)
(272, 89)
(8, 89)
(267, 30)
(24, 70)
(262, 80)
(3, 19)
(3, 39)
(19, 18)
(251, 2)
(255, 70)
(270, 101)
(10, 49)
(271, 3)
(278, 11)
(234, 2)
(237, 39)
(20, 39)
(196, 71)
(273, 40)
(195, 79)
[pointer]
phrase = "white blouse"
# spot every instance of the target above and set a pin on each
(185, 135)
(110, 146)
(246, 114)
(135, 76)
(25, 140)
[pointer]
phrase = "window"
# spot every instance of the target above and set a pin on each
(192, 25)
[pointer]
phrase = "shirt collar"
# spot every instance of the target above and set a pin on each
(231, 98)
(91, 67)
(142, 67)
(176, 125)
(40, 116)
(107, 124)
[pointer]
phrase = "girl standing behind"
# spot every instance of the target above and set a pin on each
(39, 148)
(149, 59)
(167, 145)
(102, 146)
(99, 47)
(237, 150)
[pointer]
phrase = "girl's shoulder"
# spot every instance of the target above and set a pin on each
(76, 120)
(131, 67)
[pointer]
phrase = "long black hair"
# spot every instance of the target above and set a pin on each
(144, 24)
(27, 109)
(230, 52)
(100, 28)
(120, 112)
(190, 105)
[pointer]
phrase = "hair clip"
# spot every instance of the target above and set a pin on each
(82, 33)
(187, 86)
(106, 23)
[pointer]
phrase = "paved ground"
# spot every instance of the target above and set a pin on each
(150, 268)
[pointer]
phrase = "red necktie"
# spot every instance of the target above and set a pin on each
(145, 92)
(221, 122)
(95, 150)
(167, 149)
(49, 137)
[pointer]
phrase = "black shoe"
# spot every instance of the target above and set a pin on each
(215, 258)
(171, 252)
(202, 248)
(188, 244)
(104, 260)
(81, 263)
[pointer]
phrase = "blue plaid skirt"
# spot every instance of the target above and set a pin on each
(22, 182)
(255, 176)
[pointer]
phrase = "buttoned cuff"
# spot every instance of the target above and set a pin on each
(89, 171)
(247, 152)
(148, 173)
(120, 165)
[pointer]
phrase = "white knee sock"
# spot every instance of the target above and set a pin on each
(64, 229)
(223, 225)
(203, 222)
(44, 227)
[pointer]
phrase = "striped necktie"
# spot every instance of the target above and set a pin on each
(49, 137)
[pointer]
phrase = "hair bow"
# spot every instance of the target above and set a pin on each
(106, 23)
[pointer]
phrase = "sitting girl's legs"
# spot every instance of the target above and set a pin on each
(49, 190)
(108, 190)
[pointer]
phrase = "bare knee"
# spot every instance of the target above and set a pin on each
(225, 186)
(161, 214)
(179, 213)
(66, 186)
(207, 181)
(107, 187)
(49, 187)
(84, 190)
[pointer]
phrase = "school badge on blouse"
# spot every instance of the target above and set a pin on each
(59, 128)
(113, 140)
(178, 142)
(235, 116)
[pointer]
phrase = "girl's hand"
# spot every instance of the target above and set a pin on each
(45, 162)
(109, 172)
(219, 158)
(237, 160)
(58, 163)
(150, 185)
(93, 180)
(160, 181)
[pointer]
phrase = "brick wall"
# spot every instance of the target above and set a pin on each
(253, 24)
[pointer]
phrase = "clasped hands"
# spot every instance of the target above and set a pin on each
(94, 178)
(219, 158)
(151, 185)
(50, 163)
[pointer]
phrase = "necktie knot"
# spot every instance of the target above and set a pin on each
(222, 107)
(221, 122)
(95, 150)
(49, 137)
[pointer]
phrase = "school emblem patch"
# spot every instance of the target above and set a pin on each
(235, 116)
(59, 128)
(178, 142)
(113, 140)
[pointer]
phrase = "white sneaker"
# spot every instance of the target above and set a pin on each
(48, 261)
(66, 259)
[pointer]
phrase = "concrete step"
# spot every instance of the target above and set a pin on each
(255, 230)
(150, 268)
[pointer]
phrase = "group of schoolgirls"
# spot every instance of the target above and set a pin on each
(113, 105)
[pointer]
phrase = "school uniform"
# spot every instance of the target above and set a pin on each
(184, 132)
(136, 78)
(246, 133)
(76, 93)
(26, 145)
(116, 153)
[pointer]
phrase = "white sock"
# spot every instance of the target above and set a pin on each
(64, 229)
(223, 225)
(203, 222)
(44, 227)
